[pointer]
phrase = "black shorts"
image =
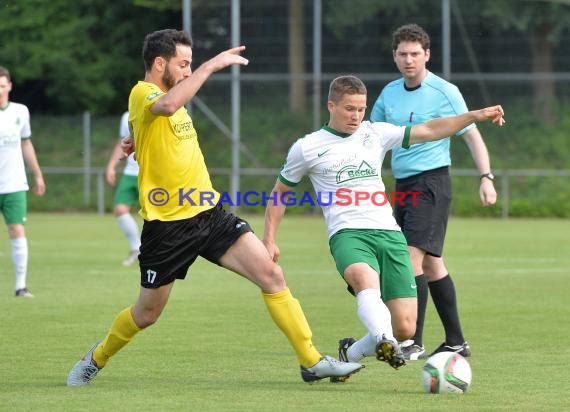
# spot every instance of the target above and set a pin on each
(169, 248)
(424, 224)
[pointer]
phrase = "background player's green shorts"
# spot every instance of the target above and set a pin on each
(14, 207)
(127, 192)
(385, 251)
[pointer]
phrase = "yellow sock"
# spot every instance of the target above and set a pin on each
(122, 331)
(288, 315)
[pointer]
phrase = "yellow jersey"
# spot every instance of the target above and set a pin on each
(173, 180)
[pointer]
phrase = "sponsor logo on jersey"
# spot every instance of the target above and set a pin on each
(351, 172)
(153, 95)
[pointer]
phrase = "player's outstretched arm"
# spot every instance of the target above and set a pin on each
(185, 90)
(447, 126)
(224, 59)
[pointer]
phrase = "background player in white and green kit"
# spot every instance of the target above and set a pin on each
(366, 243)
(15, 148)
(127, 192)
(416, 97)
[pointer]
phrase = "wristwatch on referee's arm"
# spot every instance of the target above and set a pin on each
(489, 176)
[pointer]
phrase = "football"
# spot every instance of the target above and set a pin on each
(446, 372)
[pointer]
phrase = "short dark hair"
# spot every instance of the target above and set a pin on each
(345, 85)
(411, 33)
(5, 73)
(162, 43)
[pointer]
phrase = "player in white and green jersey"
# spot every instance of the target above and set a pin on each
(345, 163)
(15, 149)
(345, 158)
(126, 193)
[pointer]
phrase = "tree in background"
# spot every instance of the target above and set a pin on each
(74, 56)
(297, 69)
(542, 24)
(67, 57)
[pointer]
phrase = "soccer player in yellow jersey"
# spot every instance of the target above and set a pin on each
(181, 217)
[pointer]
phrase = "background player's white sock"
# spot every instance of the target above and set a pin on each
(130, 228)
(20, 260)
(366, 346)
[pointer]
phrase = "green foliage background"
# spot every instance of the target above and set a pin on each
(67, 57)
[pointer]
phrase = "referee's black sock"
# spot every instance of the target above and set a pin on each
(445, 301)
(422, 290)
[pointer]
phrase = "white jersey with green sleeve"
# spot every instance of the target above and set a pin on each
(14, 127)
(345, 171)
(132, 167)
(434, 98)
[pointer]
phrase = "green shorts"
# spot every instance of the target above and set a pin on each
(385, 251)
(127, 192)
(14, 207)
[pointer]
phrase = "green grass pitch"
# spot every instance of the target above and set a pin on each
(216, 349)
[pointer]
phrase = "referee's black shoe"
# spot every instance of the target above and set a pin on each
(464, 349)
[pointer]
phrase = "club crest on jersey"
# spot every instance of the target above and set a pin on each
(352, 172)
(367, 141)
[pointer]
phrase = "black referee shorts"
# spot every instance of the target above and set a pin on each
(169, 248)
(425, 223)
